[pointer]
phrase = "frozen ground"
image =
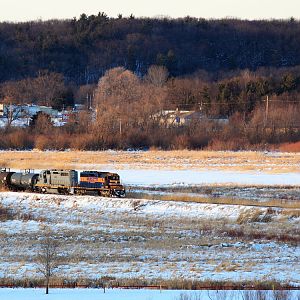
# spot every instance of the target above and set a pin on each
(136, 238)
(150, 239)
(148, 177)
(192, 177)
(95, 294)
(237, 193)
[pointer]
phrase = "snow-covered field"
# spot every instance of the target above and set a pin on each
(154, 239)
(170, 168)
(96, 294)
(136, 238)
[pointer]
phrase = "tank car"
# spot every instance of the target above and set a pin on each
(5, 178)
(23, 181)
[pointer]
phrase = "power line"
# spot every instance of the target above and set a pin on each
(267, 110)
(285, 101)
(240, 102)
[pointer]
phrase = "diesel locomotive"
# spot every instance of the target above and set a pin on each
(64, 182)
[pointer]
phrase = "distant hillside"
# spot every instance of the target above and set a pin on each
(83, 49)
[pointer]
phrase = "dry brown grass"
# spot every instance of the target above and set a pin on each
(292, 213)
(221, 200)
(290, 147)
(197, 160)
(5, 214)
(224, 287)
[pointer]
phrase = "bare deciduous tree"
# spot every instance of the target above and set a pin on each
(157, 75)
(47, 85)
(47, 257)
(11, 113)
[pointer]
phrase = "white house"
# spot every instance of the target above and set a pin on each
(177, 117)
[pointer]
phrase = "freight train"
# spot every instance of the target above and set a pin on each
(64, 182)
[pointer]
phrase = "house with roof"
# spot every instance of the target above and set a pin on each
(178, 118)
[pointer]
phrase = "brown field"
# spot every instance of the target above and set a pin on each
(293, 207)
(272, 162)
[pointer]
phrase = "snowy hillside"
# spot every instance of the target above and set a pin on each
(147, 239)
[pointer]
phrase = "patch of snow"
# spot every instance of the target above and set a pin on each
(120, 294)
(141, 177)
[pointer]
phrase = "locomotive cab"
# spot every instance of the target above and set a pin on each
(107, 184)
(113, 178)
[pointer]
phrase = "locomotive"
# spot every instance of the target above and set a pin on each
(64, 182)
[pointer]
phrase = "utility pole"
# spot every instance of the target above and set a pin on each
(267, 111)
(120, 127)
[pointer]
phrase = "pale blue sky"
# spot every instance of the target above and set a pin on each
(22, 10)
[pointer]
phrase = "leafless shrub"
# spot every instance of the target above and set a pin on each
(25, 216)
(6, 214)
(184, 296)
(261, 295)
(220, 295)
(9, 214)
(281, 295)
(248, 295)
(84, 142)
(136, 204)
(42, 142)
(255, 215)
(190, 296)
(180, 142)
(290, 147)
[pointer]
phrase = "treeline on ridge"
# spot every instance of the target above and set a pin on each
(127, 70)
(83, 49)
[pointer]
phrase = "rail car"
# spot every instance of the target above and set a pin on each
(5, 176)
(64, 182)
